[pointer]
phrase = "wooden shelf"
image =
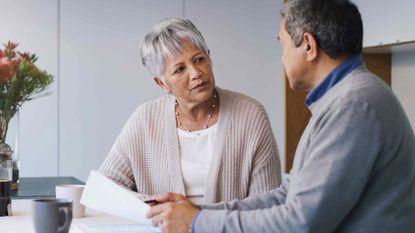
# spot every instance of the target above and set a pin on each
(391, 48)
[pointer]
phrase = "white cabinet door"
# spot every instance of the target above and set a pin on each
(401, 21)
(33, 24)
(387, 22)
(242, 37)
(403, 82)
(102, 79)
(374, 21)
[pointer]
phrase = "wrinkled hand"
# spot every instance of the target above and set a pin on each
(174, 214)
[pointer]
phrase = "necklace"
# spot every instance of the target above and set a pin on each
(210, 115)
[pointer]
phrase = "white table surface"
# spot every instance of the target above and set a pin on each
(21, 221)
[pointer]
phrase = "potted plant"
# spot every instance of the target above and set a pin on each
(20, 81)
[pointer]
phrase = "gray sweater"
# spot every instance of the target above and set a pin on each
(146, 157)
(354, 170)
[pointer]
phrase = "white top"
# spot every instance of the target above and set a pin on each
(145, 157)
(196, 152)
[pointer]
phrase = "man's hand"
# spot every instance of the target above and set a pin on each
(174, 215)
(169, 197)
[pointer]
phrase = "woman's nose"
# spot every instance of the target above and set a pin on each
(195, 73)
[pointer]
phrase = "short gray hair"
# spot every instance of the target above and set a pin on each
(165, 40)
(336, 24)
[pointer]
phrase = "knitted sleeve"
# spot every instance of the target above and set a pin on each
(266, 172)
(117, 165)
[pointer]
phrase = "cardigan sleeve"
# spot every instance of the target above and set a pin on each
(117, 165)
(266, 172)
(117, 168)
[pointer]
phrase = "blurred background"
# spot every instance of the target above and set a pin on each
(91, 48)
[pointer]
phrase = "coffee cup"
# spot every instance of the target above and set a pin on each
(72, 192)
(52, 215)
(5, 200)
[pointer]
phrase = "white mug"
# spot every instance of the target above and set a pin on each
(72, 192)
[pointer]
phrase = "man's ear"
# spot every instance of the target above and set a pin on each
(310, 46)
(161, 84)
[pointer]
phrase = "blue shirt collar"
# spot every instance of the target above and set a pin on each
(334, 77)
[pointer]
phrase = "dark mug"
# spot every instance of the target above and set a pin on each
(5, 201)
(52, 215)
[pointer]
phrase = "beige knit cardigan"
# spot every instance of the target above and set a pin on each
(145, 157)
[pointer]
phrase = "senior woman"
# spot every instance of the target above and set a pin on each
(199, 140)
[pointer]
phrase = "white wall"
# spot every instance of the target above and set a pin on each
(33, 24)
(91, 46)
(102, 79)
(403, 81)
(387, 22)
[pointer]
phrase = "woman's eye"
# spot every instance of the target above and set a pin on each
(199, 59)
(178, 70)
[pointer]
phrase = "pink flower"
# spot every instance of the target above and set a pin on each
(11, 45)
(26, 55)
(20, 80)
(4, 73)
(8, 68)
(13, 65)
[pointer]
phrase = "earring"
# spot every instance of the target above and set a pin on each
(168, 96)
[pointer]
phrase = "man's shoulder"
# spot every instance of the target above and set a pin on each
(366, 99)
(361, 86)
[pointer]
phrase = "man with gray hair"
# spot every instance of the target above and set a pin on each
(354, 168)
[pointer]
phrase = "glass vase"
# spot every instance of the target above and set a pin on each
(15, 155)
(4, 126)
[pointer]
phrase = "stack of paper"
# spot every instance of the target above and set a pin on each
(114, 228)
(104, 195)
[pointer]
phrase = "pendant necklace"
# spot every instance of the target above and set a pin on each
(210, 115)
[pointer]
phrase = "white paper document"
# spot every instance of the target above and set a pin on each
(114, 228)
(104, 195)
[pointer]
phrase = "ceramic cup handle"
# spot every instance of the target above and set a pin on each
(68, 219)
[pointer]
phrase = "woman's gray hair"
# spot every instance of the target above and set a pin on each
(165, 40)
(336, 24)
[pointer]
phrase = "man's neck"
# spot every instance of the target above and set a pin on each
(324, 66)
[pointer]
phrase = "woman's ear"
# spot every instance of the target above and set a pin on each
(210, 60)
(161, 84)
(310, 46)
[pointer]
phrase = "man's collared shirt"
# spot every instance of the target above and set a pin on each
(334, 77)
